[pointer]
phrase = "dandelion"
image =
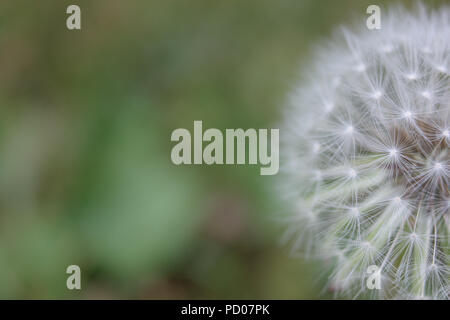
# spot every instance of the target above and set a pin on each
(366, 157)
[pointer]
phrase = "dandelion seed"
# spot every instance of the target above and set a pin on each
(329, 107)
(377, 95)
(412, 76)
(446, 133)
(349, 130)
(352, 173)
(442, 69)
(354, 212)
(387, 49)
(426, 50)
(315, 147)
(393, 152)
(360, 67)
(426, 94)
(407, 114)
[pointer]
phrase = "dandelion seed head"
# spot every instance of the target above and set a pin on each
(367, 143)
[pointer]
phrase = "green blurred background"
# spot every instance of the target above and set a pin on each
(85, 123)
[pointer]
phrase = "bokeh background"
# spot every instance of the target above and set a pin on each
(85, 123)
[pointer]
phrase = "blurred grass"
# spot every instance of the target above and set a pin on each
(85, 121)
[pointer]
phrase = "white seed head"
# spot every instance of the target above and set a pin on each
(366, 152)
